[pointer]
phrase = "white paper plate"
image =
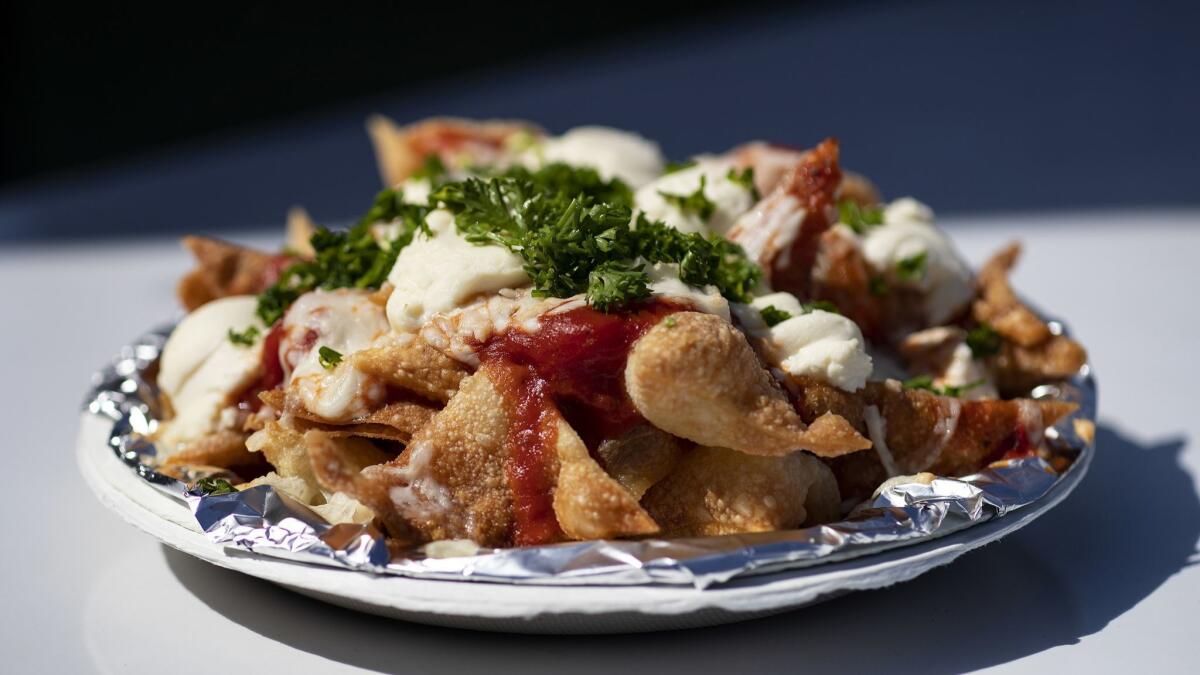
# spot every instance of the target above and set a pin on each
(536, 609)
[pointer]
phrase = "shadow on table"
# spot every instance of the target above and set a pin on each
(1063, 577)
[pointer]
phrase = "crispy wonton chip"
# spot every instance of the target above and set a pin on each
(415, 366)
(450, 482)
(588, 503)
(400, 151)
(716, 491)
(396, 421)
(1032, 354)
(225, 449)
(640, 457)
(696, 377)
(224, 269)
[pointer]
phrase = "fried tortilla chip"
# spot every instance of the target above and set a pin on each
(640, 457)
(696, 377)
(224, 269)
(415, 366)
(716, 491)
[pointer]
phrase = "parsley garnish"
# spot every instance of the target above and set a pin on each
(244, 338)
(745, 178)
(352, 259)
(328, 358)
(984, 341)
(572, 232)
(912, 268)
(823, 305)
(773, 316)
(859, 218)
(213, 486)
(670, 321)
(673, 167)
(926, 382)
(877, 286)
(696, 203)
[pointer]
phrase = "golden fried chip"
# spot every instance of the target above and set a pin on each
(300, 229)
(640, 457)
(696, 377)
(716, 491)
(225, 449)
(224, 269)
(396, 421)
(450, 483)
(415, 366)
(588, 503)
(400, 151)
(335, 461)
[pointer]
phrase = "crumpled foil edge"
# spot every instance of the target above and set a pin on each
(264, 521)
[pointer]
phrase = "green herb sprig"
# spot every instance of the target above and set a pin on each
(328, 358)
(696, 203)
(912, 268)
(859, 218)
(244, 338)
(926, 382)
(744, 178)
(984, 341)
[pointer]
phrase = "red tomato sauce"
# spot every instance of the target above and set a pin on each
(574, 363)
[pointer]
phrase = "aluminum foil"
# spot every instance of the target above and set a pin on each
(267, 522)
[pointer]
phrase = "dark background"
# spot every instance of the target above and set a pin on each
(128, 121)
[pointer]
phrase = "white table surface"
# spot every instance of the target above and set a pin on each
(1087, 586)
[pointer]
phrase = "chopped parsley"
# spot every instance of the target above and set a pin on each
(244, 338)
(859, 218)
(877, 286)
(823, 305)
(984, 341)
(213, 486)
(912, 268)
(350, 259)
(670, 321)
(328, 358)
(674, 167)
(696, 203)
(745, 178)
(926, 382)
(774, 316)
(573, 233)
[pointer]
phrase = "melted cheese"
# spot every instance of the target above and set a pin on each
(441, 272)
(665, 283)
(908, 230)
(201, 370)
(729, 198)
(345, 321)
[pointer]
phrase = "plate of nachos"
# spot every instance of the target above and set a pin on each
(532, 340)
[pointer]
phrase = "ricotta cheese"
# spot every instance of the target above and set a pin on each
(908, 231)
(730, 199)
(611, 152)
(819, 344)
(201, 370)
(442, 271)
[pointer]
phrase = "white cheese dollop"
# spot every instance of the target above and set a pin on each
(345, 321)
(441, 272)
(730, 199)
(611, 152)
(818, 344)
(201, 370)
(907, 231)
(665, 283)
